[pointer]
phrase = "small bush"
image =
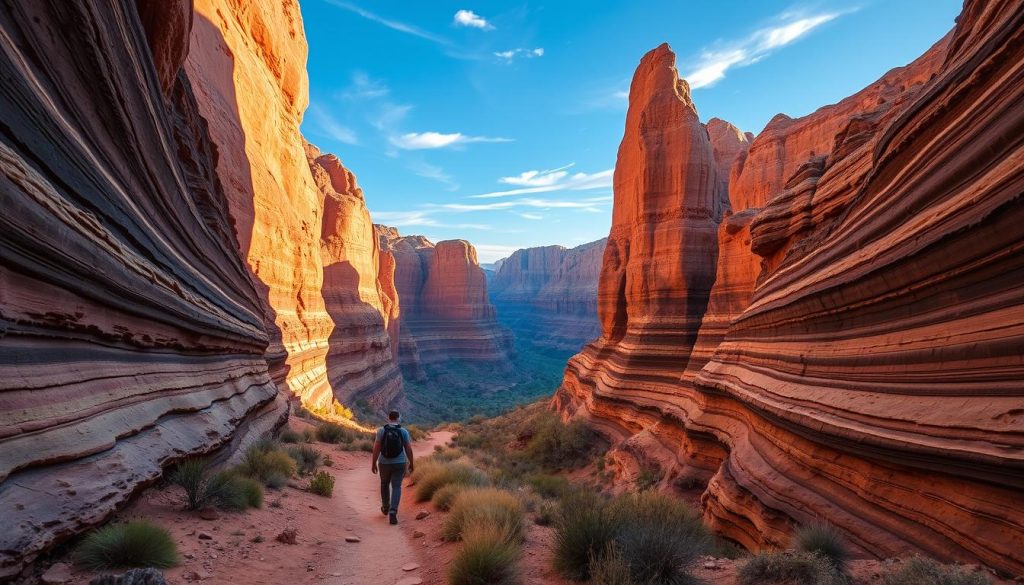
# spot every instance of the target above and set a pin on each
(659, 537)
(822, 538)
(276, 481)
(191, 475)
(549, 486)
(322, 484)
(445, 497)
(306, 458)
(787, 568)
(267, 466)
(484, 505)
(610, 568)
(137, 543)
(309, 435)
(545, 514)
(922, 571)
(289, 436)
(251, 490)
(416, 433)
(364, 445)
(435, 476)
(488, 556)
(559, 445)
(225, 490)
(329, 432)
(585, 529)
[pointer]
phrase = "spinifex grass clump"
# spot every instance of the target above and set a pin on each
(225, 489)
(306, 458)
(822, 538)
(922, 571)
(137, 543)
(432, 476)
(489, 555)
(484, 505)
(322, 484)
(329, 432)
(782, 568)
(267, 464)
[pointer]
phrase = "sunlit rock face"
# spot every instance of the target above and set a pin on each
(868, 281)
(361, 364)
(548, 295)
(131, 332)
(445, 312)
(247, 63)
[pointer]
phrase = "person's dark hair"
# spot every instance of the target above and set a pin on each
(393, 415)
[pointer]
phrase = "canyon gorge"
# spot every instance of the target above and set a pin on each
(820, 321)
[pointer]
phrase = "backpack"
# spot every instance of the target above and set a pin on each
(392, 443)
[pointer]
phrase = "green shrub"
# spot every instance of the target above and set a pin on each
(306, 458)
(484, 505)
(822, 538)
(322, 484)
(416, 433)
(549, 486)
(786, 568)
(309, 435)
(329, 432)
(445, 497)
(192, 475)
(610, 568)
(137, 543)
(584, 529)
(276, 481)
(488, 556)
(659, 537)
(267, 466)
(251, 490)
(435, 476)
(289, 436)
(559, 445)
(545, 514)
(225, 490)
(922, 571)
(648, 479)
(364, 445)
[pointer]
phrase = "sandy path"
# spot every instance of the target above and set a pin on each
(383, 549)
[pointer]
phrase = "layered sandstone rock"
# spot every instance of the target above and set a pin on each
(548, 295)
(872, 378)
(445, 312)
(247, 63)
(360, 360)
(131, 333)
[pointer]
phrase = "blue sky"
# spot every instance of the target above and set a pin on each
(498, 122)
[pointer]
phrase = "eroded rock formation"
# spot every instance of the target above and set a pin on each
(548, 295)
(868, 370)
(445, 312)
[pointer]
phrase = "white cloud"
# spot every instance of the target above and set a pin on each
(493, 252)
(392, 24)
(534, 216)
(512, 54)
(325, 125)
(713, 64)
(362, 87)
(472, 19)
(537, 178)
(429, 171)
(574, 182)
(529, 202)
(419, 219)
(426, 140)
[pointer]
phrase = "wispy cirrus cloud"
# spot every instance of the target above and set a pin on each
(326, 126)
(511, 54)
(593, 205)
(551, 180)
(434, 172)
(430, 140)
(713, 63)
(420, 219)
(390, 23)
(470, 19)
(363, 87)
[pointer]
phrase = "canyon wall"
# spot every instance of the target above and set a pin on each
(548, 295)
(131, 333)
(445, 312)
(859, 356)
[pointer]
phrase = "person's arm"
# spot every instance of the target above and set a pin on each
(408, 452)
(376, 454)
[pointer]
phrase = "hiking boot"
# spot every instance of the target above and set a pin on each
(393, 518)
(384, 510)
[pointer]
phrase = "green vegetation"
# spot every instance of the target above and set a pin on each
(226, 489)
(137, 543)
(822, 538)
(489, 556)
(322, 484)
(547, 485)
(416, 432)
(610, 568)
(656, 537)
(491, 506)
(431, 476)
(445, 497)
(334, 433)
(782, 568)
(191, 475)
(306, 458)
(289, 436)
(922, 571)
(268, 464)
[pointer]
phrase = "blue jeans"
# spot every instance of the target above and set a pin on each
(391, 475)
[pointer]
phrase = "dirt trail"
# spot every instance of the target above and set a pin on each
(383, 549)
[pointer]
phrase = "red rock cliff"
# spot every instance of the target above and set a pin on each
(445, 312)
(548, 295)
(869, 373)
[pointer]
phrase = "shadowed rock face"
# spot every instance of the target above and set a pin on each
(131, 333)
(548, 295)
(445, 312)
(870, 373)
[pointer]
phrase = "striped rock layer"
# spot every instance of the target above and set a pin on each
(548, 295)
(869, 372)
(445, 312)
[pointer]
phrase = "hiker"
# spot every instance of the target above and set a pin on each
(391, 452)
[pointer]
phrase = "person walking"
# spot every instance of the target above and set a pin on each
(392, 456)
